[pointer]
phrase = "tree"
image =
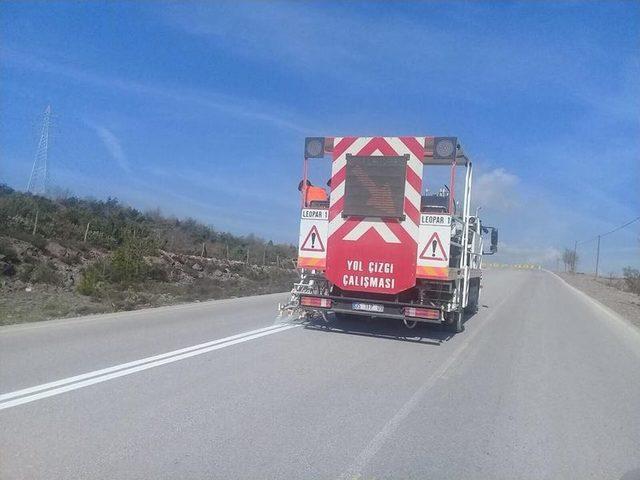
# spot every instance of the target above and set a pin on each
(632, 279)
(570, 260)
(127, 264)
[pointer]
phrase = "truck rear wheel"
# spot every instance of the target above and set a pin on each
(455, 322)
(474, 296)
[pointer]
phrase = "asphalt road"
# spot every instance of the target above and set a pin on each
(543, 384)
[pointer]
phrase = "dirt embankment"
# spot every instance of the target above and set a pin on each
(610, 292)
(51, 281)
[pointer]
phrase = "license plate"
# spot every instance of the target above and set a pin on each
(367, 307)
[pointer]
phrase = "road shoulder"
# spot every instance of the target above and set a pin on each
(140, 312)
(624, 304)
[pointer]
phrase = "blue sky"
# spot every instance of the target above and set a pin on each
(201, 108)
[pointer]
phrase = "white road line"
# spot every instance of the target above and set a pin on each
(91, 378)
(122, 366)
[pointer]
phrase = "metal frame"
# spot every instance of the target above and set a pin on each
(464, 272)
(463, 284)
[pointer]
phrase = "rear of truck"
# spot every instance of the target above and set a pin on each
(378, 246)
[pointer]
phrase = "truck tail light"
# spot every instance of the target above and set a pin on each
(430, 313)
(316, 302)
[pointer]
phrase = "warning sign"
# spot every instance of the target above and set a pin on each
(433, 249)
(312, 242)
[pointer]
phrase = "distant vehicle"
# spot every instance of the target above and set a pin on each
(377, 246)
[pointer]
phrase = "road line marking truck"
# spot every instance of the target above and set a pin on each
(378, 244)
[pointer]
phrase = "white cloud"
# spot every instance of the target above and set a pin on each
(114, 147)
(239, 107)
(496, 190)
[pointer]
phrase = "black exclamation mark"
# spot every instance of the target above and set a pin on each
(433, 246)
(313, 240)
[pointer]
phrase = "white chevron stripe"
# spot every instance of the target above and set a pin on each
(413, 196)
(411, 228)
(367, 224)
(335, 224)
(353, 149)
(337, 192)
(414, 163)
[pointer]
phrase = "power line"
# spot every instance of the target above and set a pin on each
(610, 231)
(621, 226)
(598, 237)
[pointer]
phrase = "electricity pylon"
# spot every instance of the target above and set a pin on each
(39, 174)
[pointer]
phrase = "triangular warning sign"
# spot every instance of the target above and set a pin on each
(434, 250)
(312, 243)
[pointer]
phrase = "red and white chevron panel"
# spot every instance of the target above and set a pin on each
(356, 242)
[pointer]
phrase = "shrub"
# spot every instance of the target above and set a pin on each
(46, 273)
(90, 282)
(25, 271)
(113, 226)
(632, 279)
(72, 259)
(158, 273)
(37, 241)
(127, 264)
(6, 249)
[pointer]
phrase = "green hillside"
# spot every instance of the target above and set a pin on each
(69, 256)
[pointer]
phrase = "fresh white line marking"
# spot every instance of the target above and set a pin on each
(95, 373)
(98, 376)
